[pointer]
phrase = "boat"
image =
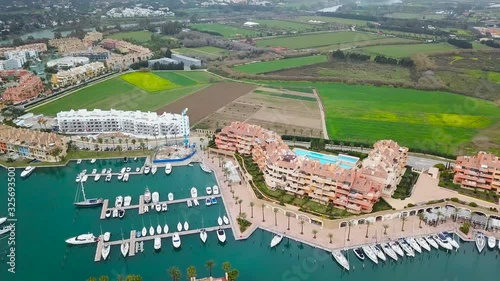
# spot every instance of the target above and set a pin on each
(370, 254)
(122, 171)
(480, 241)
(208, 190)
(94, 171)
(120, 176)
(105, 251)
(380, 254)
(93, 161)
(119, 201)
(145, 209)
(396, 248)
(27, 171)
(125, 159)
(103, 171)
(164, 207)
(442, 241)
(106, 236)
(156, 197)
(109, 171)
(389, 251)
(137, 235)
(151, 231)
(492, 242)
(158, 207)
(108, 177)
(84, 178)
(221, 235)
(128, 169)
(115, 213)
(78, 178)
(91, 202)
(153, 170)
(176, 240)
(411, 241)
(144, 232)
(219, 221)
(190, 165)
(124, 247)
(158, 229)
(170, 196)
(165, 229)
(97, 177)
(276, 240)
(225, 219)
(449, 237)
(196, 203)
(126, 176)
(421, 241)
(203, 235)
(2, 220)
(82, 239)
(359, 253)
(186, 225)
(157, 244)
(168, 169)
(431, 242)
(84, 171)
(108, 213)
(137, 170)
(406, 247)
(121, 213)
(189, 203)
(208, 202)
(215, 190)
(5, 230)
(179, 226)
(147, 195)
(79, 161)
(205, 168)
(214, 201)
(340, 258)
(127, 200)
(135, 158)
(146, 170)
(194, 192)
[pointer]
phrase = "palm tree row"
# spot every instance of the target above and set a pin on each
(176, 274)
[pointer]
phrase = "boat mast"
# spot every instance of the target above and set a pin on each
(83, 192)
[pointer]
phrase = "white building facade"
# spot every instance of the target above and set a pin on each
(135, 123)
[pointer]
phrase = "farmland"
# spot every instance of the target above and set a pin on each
(285, 25)
(268, 66)
(331, 20)
(406, 50)
(416, 16)
(140, 36)
(148, 81)
(222, 29)
(206, 51)
(317, 40)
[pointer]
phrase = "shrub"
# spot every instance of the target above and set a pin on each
(440, 166)
(473, 204)
(454, 199)
(465, 228)
(410, 205)
(243, 223)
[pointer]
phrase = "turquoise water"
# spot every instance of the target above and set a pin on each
(46, 217)
(347, 161)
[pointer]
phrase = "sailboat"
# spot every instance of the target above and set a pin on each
(179, 226)
(158, 228)
(124, 247)
(151, 230)
(225, 219)
(389, 251)
(340, 258)
(370, 254)
(165, 228)
(203, 235)
(153, 170)
(88, 202)
(105, 251)
(219, 221)
(186, 225)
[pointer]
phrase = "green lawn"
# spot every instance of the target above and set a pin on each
(141, 36)
(287, 25)
(222, 29)
(317, 40)
(479, 46)
(268, 66)
(406, 50)
(331, 20)
(148, 81)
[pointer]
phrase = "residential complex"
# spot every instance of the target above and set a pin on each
(69, 44)
(77, 75)
(136, 123)
(131, 53)
(15, 59)
(68, 62)
(32, 144)
(138, 12)
(39, 47)
(349, 189)
(478, 171)
(27, 86)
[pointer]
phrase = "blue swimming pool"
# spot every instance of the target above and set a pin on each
(344, 161)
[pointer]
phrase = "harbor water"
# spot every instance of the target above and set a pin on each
(46, 217)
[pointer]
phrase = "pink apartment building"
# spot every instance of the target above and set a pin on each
(478, 171)
(28, 86)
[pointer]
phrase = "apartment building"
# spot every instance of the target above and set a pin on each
(479, 171)
(38, 47)
(66, 45)
(130, 53)
(32, 144)
(327, 183)
(27, 86)
(136, 123)
(91, 38)
(77, 75)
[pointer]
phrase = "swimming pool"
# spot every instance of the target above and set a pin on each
(344, 161)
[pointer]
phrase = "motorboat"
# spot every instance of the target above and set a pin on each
(194, 192)
(449, 237)
(5, 230)
(158, 229)
(208, 202)
(480, 241)
(92, 161)
(208, 190)
(120, 176)
(219, 221)
(215, 190)
(84, 171)
(340, 258)
(380, 254)
(225, 219)
(97, 177)
(94, 171)
(176, 240)
(370, 254)
(126, 176)
(396, 248)
(203, 235)
(135, 158)
(127, 200)
(137, 170)
(170, 196)
(91, 202)
(205, 168)
(151, 231)
(389, 251)
(492, 242)
(103, 171)
(84, 178)
(179, 226)
(406, 247)
(190, 165)
(421, 241)
(156, 197)
(122, 171)
(109, 171)
(157, 243)
(144, 232)
(165, 229)
(164, 207)
(115, 213)
(186, 225)
(82, 239)
(411, 241)
(105, 251)
(128, 169)
(145, 209)
(106, 236)
(359, 253)
(79, 161)
(442, 241)
(108, 177)
(158, 207)
(214, 200)
(137, 235)
(276, 240)
(146, 170)
(78, 178)
(431, 242)
(168, 169)
(121, 213)
(195, 202)
(119, 201)
(221, 235)
(2, 220)
(124, 247)
(154, 169)
(27, 171)
(189, 203)
(147, 195)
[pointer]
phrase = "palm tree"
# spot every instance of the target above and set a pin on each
(209, 264)
(104, 278)
(263, 206)
(275, 210)
(302, 226)
(251, 208)
(349, 224)
(106, 141)
(126, 142)
(403, 219)
(420, 218)
(239, 202)
(191, 272)
(232, 192)
(385, 226)
(226, 266)
(113, 141)
(92, 278)
(314, 231)
(330, 235)
(133, 141)
(175, 273)
(233, 274)
(440, 214)
(367, 226)
(120, 141)
(236, 199)
(288, 215)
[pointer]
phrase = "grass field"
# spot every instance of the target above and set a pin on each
(268, 66)
(317, 40)
(415, 16)
(207, 51)
(224, 30)
(332, 20)
(406, 50)
(436, 121)
(287, 25)
(148, 81)
(116, 93)
(141, 36)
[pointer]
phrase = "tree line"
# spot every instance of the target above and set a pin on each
(462, 44)
(405, 62)
(491, 43)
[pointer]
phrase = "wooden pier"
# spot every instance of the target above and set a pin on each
(131, 250)
(98, 251)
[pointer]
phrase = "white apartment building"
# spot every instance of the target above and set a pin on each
(77, 75)
(13, 63)
(135, 123)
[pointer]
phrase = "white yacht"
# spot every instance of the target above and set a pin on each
(93, 161)
(108, 177)
(122, 171)
(157, 243)
(78, 178)
(84, 171)
(119, 201)
(421, 241)
(103, 171)
(413, 244)
(208, 190)
(79, 161)
(151, 231)
(153, 170)
(219, 221)
(359, 253)
(168, 169)
(97, 177)
(156, 197)
(105, 251)
(121, 213)
(120, 176)
(115, 213)
(221, 235)
(164, 207)
(208, 202)
(380, 254)
(127, 200)
(480, 241)
(128, 169)
(396, 248)
(165, 229)
(431, 242)
(176, 240)
(158, 229)
(276, 240)
(179, 226)
(144, 232)
(189, 203)
(170, 196)
(195, 202)
(94, 171)
(340, 258)
(147, 196)
(84, 178)
(82, 239)
(146, 170)
(124, 247)
(2, 220)
(106, 236)
(194, 192)
(205, 168)
(442, 241)
(203, 235)
(492, 242)
(126, 176)
(137, 170)
(186, 225)
(27, 171)
(389, 251)
(158, 207)
(215, 190)
(406, 247)
(109, 171)
(449, 237)
(225, 219)
(370, 254)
